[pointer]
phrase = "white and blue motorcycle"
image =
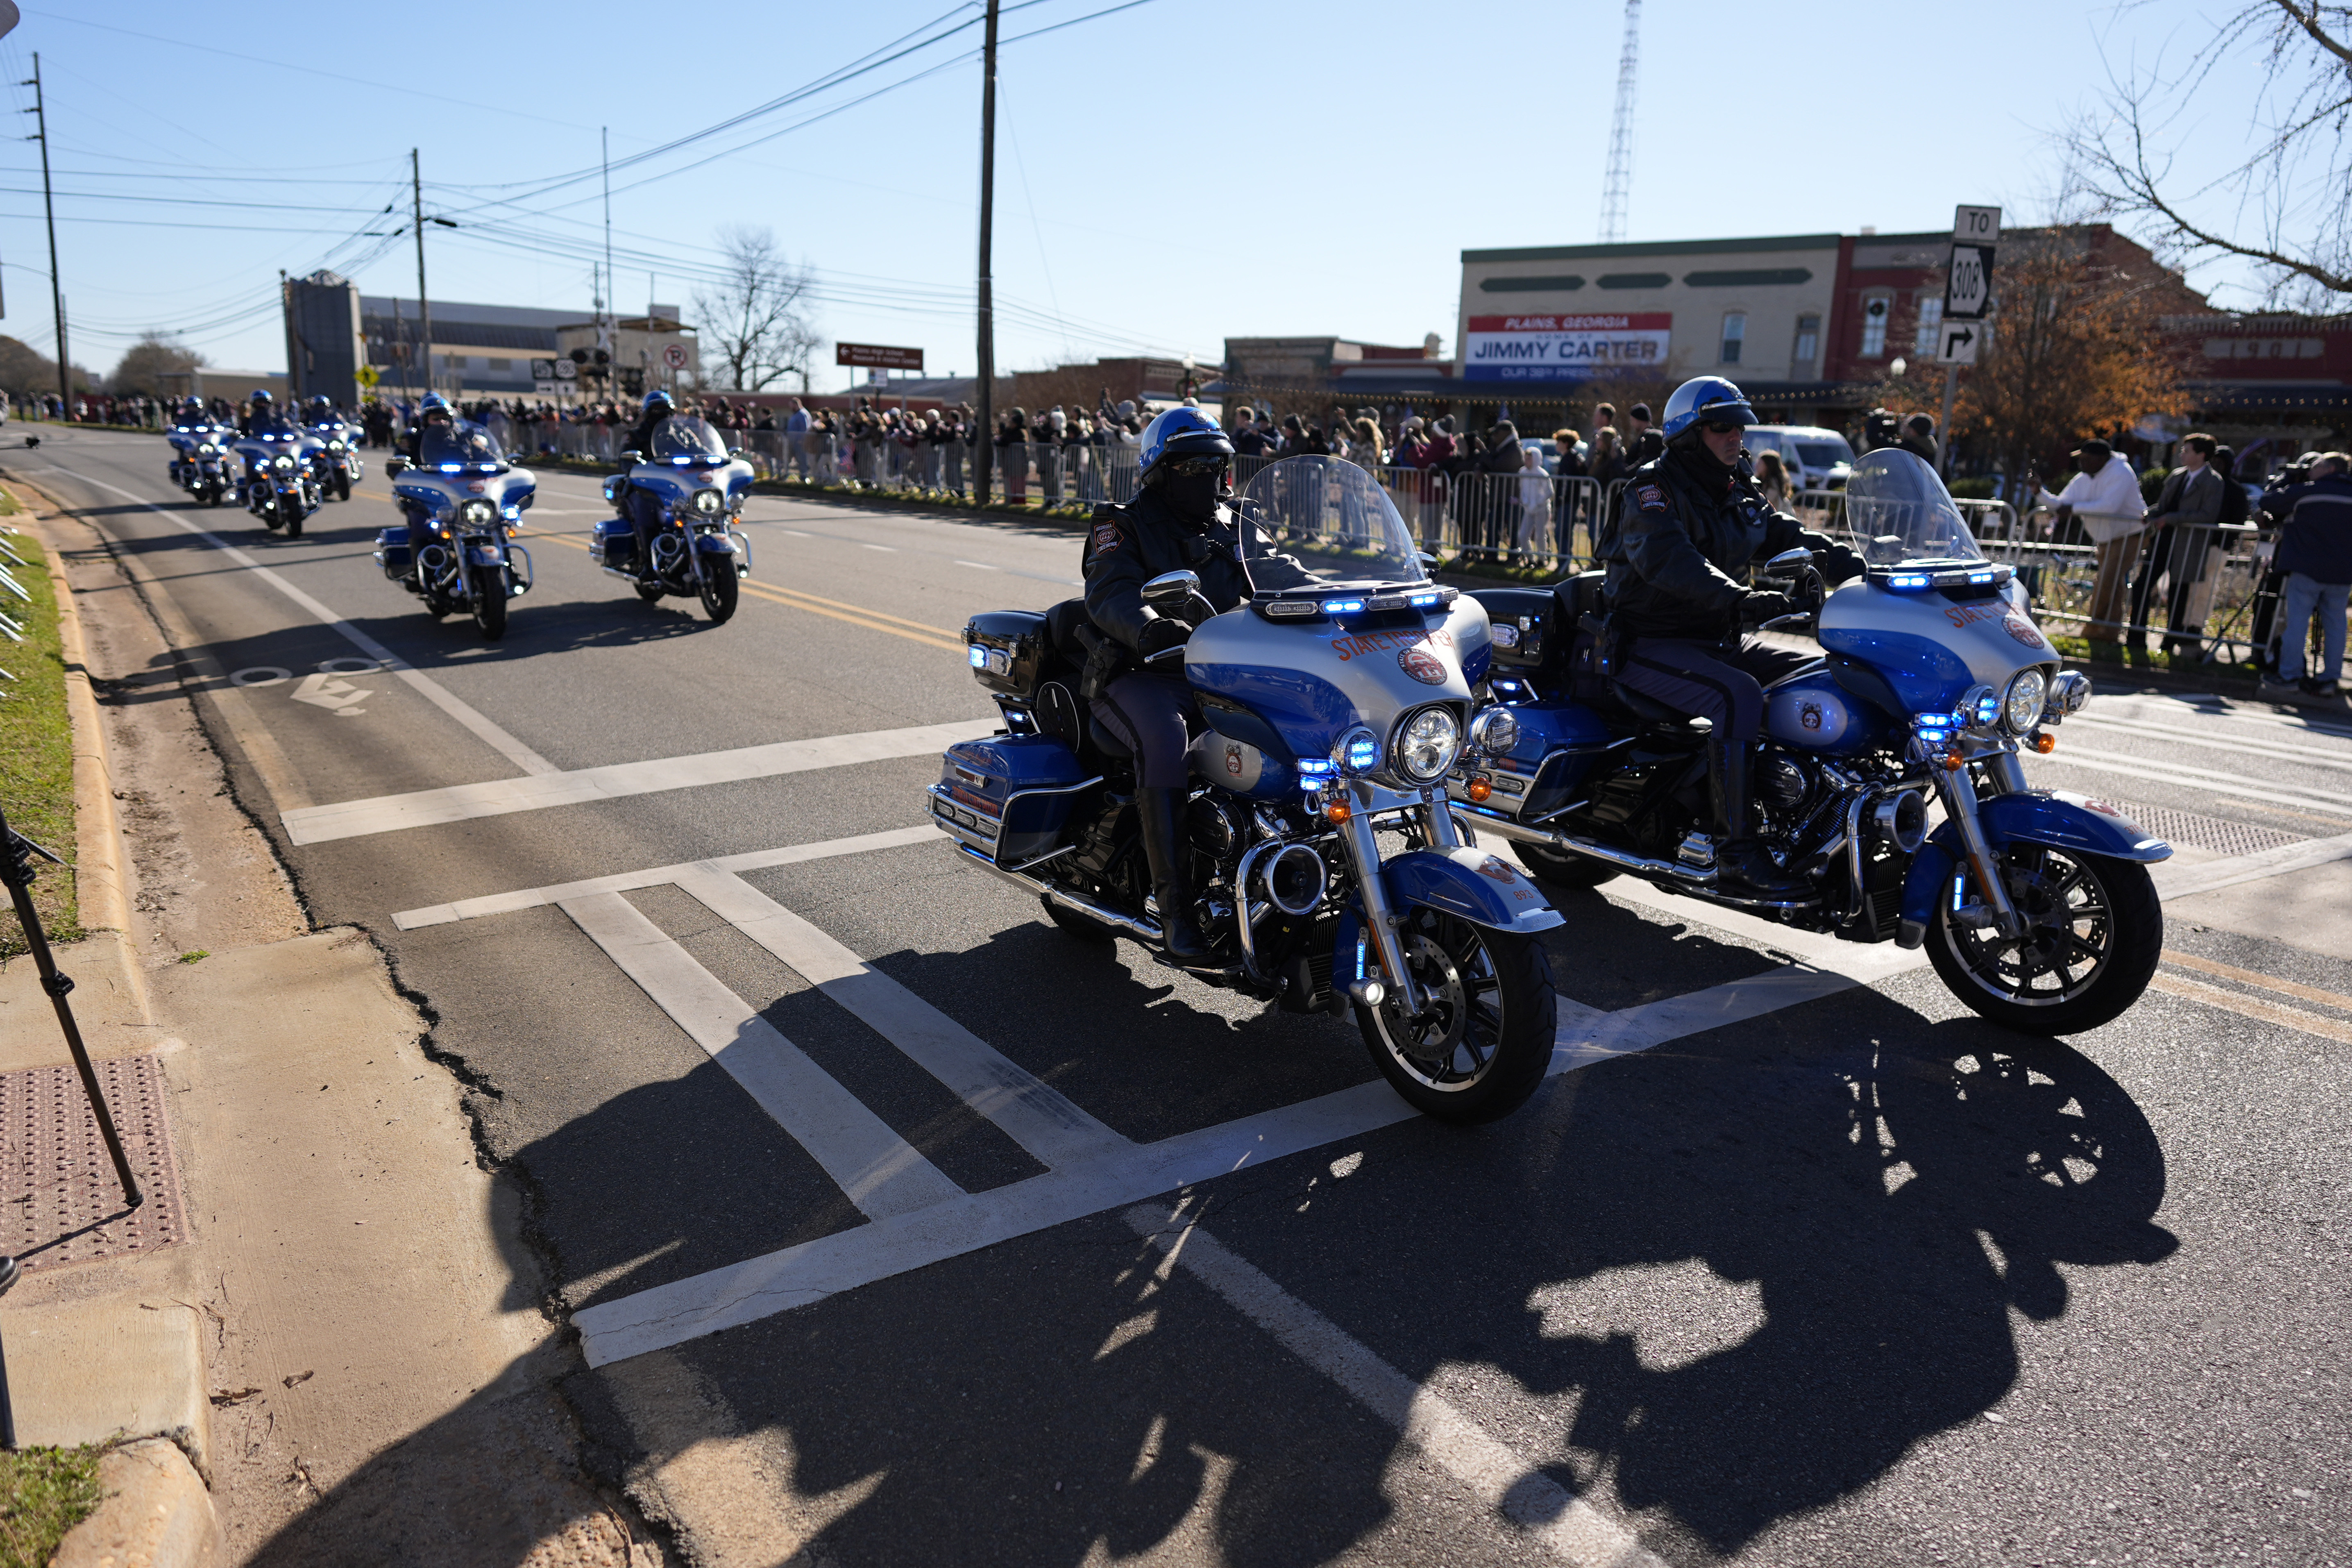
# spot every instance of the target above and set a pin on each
(335, 461)
(2035, 906)
(463, 503)
(1336, 709)
(278, 486)
(697, 486)
(199, 458)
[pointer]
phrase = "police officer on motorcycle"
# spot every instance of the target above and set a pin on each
(645, 506)
(1135, 674)
(432, 410)
(262, 416)
(1691, 524)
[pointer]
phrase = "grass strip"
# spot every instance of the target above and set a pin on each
(36, 787)
(44, 1492)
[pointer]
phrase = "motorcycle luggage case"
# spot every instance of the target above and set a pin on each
(1527, 627)
(615, 543)
(392, 553)
(1006, 650)
(1007, 796)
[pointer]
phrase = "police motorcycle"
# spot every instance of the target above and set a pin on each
(2035, 906)
(200, 456)
(335, 464)
(278, 486)
(1335, 711)
(699, 488)
(464, 501)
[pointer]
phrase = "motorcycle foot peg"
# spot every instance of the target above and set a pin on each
(1698, 852)
(1367, 992)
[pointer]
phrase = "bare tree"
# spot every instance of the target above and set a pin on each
(147, 364)
(2287, 206)
(754, 321)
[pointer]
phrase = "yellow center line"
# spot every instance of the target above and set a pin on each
(2268, 982)
(872, 620)
(2255, 1008)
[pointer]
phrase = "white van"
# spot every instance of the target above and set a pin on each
(1819, 459)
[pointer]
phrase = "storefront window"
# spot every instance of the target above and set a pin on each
(1809, 340)
(1734, 332)
(1875, 313)
(1931, 317)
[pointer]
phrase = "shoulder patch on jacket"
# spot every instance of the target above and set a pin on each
(1650, 497)
(1107, 538)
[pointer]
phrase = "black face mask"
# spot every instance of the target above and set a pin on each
(1193, 495)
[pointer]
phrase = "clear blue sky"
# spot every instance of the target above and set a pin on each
(1167, 175)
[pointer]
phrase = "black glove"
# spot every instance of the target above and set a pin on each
(1761, 604)
(1162, 634)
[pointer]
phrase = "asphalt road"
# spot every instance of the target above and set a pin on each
(1031, 1255)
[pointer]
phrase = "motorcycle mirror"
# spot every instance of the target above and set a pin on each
(1790, 559)
(396, 465)
(1171, 590)
(633, 456)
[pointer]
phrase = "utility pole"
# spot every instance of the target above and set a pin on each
(607, 328)
(1619, 187)
(986, 435)
(423, 307)
(49, 204)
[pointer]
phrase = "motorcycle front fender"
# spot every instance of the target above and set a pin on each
(2060, 818)
(485, 555)
(714, 544)
(1471, 884)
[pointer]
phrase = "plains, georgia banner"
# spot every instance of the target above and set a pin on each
(1564, 348)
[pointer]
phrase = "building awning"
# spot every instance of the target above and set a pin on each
(2283, 396)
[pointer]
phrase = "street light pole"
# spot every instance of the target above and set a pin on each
(986, 435)
(49, 205)
(417, 220)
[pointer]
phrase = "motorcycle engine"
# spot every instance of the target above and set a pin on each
(1781, 784)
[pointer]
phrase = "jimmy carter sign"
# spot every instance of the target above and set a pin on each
(1564, 348)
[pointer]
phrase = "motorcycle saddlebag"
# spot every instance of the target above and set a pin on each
(1008, 795)
(615, 543)
(392, 553)
(1006, 649)
(1525, 628)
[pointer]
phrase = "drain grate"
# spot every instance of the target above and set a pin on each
(2214, 833)
(60, 1201)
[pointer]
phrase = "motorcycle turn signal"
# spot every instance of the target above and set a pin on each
(1479, 790)
(1338, 811)
(2043, 745)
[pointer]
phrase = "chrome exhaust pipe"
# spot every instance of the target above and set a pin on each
(1623, 859)
(1136, 926)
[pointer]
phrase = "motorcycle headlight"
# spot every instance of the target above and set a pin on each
(2022, 709)
(709, 503)
(1494, 730)
(476, 513)
(334, 446)
(1979, 708)
(284, 461)
(208, 452)
(2068, 692)
(1426, 744)
(1357, 751)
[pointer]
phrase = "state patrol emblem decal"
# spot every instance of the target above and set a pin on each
(1423, 665)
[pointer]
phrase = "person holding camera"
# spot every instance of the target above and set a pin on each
(2315, 552)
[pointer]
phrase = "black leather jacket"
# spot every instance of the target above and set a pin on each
(1685, 536)
(1128, 546)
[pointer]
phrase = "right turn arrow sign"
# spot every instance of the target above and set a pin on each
(1957, 344)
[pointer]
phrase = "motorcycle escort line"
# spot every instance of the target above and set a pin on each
(464, 501)
(199, 458)
(278, 486)
(2035, 906)
(1335, 712)
(700, 487)
(335, 465)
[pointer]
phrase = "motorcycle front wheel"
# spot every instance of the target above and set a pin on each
(1485, 1041)
(290, 509)
(342, 486)
(2095, 931)
(490, 602)
(719, 591)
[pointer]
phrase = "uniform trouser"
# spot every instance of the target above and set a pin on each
(645, 515)
(1155, 716)
(1722, 683)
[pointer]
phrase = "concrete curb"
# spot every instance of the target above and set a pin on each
(100, 854)
(157, 1514)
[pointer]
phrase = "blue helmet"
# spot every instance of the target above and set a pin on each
(1181, 432)
(261, 394)
(656, 395)
(1705, 399)
(432, 403)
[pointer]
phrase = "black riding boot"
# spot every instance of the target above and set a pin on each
(1743, 869)
(1162, 812)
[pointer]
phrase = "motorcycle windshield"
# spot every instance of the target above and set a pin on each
(1332, 517)
(455, 448)
(686, 439)
(1901, 514)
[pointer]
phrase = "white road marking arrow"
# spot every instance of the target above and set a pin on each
(332, 692)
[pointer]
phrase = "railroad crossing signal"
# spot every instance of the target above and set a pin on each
(1956, 342)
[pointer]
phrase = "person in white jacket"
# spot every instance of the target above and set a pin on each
(1534, 537)
(2104, 496)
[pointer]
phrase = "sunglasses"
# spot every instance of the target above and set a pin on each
(1191, 468)
(1715, 427)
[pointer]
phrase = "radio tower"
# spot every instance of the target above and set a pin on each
(1621, 133)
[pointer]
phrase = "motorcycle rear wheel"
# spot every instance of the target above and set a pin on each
(1487, 1039)
(490, 602)
(2097, 932)
(1564, 867)
(719, 591)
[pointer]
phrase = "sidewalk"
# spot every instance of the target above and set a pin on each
(331, 1297)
